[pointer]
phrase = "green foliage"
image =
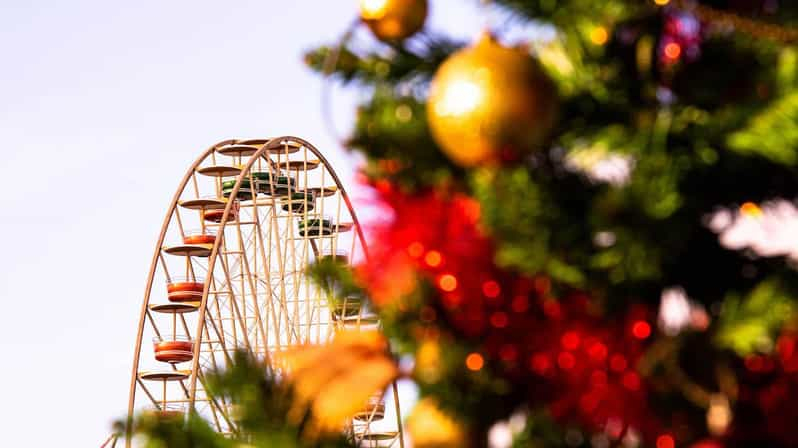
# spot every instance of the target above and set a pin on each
(565, 12)
(394, 128)
(507, 198)
(747, 324)
(261, 408)
(540, 431)
(393, 65)
(335, 278)
(171, 433)
(771, 133)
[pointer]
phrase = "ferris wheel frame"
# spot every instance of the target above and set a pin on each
(244, 179)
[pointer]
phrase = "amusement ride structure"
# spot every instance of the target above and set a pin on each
(229, 273)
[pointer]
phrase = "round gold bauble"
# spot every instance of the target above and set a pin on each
(393, 20)
(432, 428)
(487, 99)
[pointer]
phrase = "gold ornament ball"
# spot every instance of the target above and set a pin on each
(430, 427)
(393, 20)
(488, 98)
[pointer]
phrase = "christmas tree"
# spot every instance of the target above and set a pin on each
(590, 234)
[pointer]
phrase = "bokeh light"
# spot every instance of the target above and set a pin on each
(570, 340)
(641, 329)
(415, 249)
(373, 9)
(433, 258)
(491, 289)
(474, 361)
(666, 441)
(460, 97)
(599, 35)
(673, 51)
(447, 282)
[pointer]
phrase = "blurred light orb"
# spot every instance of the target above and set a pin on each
(488, 98)
(428, 361)
(750, 209)
(599, 35)
(666, 441)
(673, 51)
(674, 311)
(433, 258)
(430, 427)
(719, 414)
(474, 361)
(392, 20)
(459, 97)
(500, 435)
(447, 282)
(641, 329)
(631, 439)
(373, 9)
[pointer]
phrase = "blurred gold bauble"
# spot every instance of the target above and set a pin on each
(428, 362)
(488, 98)
(432, 428)
(392, 20)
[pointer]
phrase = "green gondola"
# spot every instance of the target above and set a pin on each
(299, 202)
(315, 227)
(244, 192)
(268, 182)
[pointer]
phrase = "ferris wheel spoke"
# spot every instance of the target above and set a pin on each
(282, 296)
(252, 286)
(234, 310)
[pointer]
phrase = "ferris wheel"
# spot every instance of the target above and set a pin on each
(229, 273)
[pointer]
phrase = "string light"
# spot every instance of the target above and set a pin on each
(631, 381)
(719, 414)
(673, 50)
(539, 363)
(570, 340)
(491, 289)
(566, 360)
(447, 282)
(618, 363)
(666, 441)
(598, 351)
(433, 258)
(751, 209)
(641, 329)
(599, 35)
(415, 249)
(508, 353)
(742, 24)
(552, 309)
(404, 113)
(474, 361)
(520, 304)
(499, 319)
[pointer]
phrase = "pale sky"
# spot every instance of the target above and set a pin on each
(103, 105)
